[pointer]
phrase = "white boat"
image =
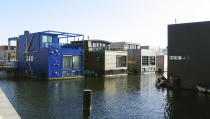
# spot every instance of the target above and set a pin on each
(203, 88)
(161, 82)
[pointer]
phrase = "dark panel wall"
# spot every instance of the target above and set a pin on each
(40, 59)
(160, 63)
(190, 40)
(134, 60)
(94, 61)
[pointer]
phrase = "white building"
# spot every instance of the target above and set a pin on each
(140, 58)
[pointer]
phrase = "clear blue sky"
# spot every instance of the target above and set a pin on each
(143, 21)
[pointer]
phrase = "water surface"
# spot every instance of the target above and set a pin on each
(127, 97)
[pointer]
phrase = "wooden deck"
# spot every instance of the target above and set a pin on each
(7, 111)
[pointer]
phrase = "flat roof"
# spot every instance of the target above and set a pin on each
(200, 22)
(64, 34)
(98, 40)
(60, 34)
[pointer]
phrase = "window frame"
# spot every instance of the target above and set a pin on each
(121, 57)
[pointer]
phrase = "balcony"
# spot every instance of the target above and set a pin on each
(61, 45)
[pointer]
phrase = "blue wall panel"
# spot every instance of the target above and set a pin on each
(44, 61)
(56, 61)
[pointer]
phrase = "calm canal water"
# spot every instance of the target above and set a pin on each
(128, 97)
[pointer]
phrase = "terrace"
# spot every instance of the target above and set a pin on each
(65, 40)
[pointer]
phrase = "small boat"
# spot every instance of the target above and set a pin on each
(161, 81)
(203, 88)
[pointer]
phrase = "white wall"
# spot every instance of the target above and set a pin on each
(165, 62)
(110, 59)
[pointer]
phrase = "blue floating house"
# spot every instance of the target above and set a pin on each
(50, 54)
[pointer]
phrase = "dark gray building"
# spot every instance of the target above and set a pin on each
(101, 60)
(189, 54)
(141, 60)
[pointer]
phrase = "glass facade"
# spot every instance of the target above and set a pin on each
(77, 61)
(67, 61)
(98, 46)
(152, 60)
(148, 60)
(72, 61)
(121, 61)
(145, 60)
(46, 39)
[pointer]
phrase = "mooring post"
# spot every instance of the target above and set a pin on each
(87, 97)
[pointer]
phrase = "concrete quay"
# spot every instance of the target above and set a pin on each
(7, 111)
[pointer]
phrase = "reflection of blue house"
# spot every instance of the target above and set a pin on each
(43, 55)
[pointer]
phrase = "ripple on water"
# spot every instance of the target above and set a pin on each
(129, 97)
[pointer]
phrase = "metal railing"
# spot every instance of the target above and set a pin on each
(8, 63)
(97, 49)
(60, 45)
(101, 49)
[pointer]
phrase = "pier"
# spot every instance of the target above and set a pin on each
(7, 111)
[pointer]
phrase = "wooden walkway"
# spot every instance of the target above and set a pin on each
(7, 111)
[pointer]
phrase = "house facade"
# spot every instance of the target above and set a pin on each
(188, 53)
(140, 58)
(42, 55)
(101, 60)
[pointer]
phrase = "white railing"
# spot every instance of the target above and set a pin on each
(8, 63)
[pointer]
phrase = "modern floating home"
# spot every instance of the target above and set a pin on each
(101, 60)
(140, 58)
(188, 54)
(50, 54)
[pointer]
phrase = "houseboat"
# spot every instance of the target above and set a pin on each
(50, 55)
(101, 60)
(141, 59)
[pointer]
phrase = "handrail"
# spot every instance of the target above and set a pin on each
(60, 45)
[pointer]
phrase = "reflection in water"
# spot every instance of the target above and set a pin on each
(45, 100)
(132, 96)
(187, 104)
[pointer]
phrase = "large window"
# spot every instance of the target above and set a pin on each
(46, 39)
(94, 45)
(72, 61)
(132, 46)
(77, 61)
(152, 60)
(121, 61)
(145, 60)
(67, 61)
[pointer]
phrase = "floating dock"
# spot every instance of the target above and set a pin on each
(7, 111)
